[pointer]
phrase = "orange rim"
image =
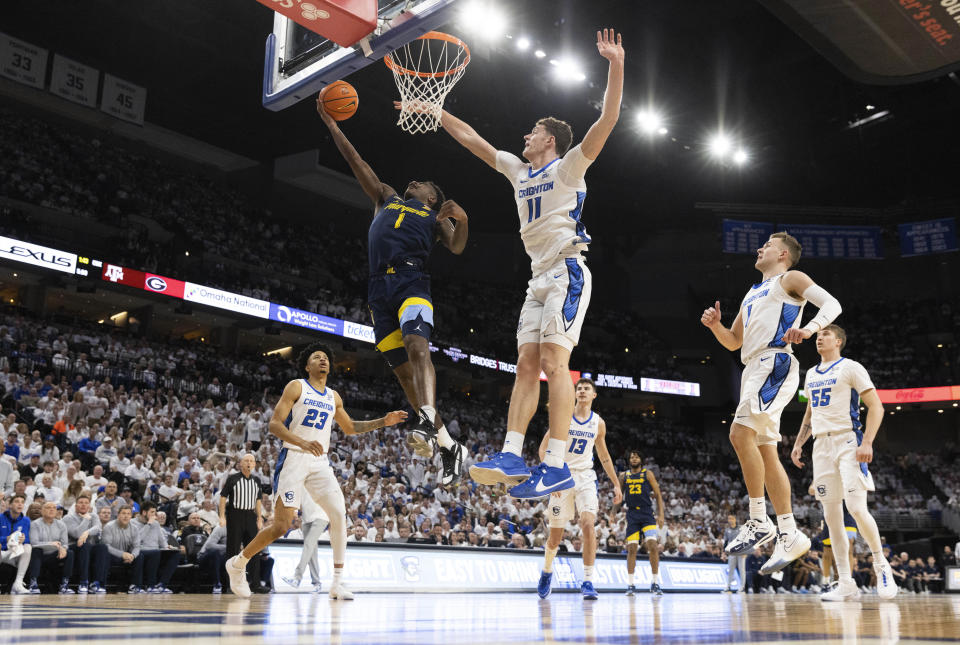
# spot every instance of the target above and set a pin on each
(430, 35)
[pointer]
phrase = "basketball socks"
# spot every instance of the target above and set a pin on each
(588, 573)
(242, 561)
(549, 554)
(786, 523)
(758, 508)
(443, 437)
(337, 577)
(555, 450)
(629, 578)
(513, 443)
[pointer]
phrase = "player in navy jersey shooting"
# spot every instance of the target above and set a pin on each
(401, 236)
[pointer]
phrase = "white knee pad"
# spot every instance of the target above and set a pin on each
(857, 503)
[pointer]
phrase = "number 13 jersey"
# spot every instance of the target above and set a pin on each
(583, 434)
(311, 417)
(834, 393)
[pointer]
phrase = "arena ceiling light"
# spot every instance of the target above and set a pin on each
(484, 19)
(567, 70)
(741, 157)
(523, 43)
(540, 53)
(720, 146)
(650, 122)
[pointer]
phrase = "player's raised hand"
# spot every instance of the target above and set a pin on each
(610, 45)
(395, 417)
(451, 210)
(796, 335)
(795, 455)
(711, 316)
(313, 447)
(324, 115)
(865, 453)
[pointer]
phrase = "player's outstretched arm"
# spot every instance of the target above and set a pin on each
(655, 485)
(731, 338)
(607, 462)
(377, 191)
(871, 399)
(806, 429)
(799, 285)
(453, 236)
(467, 137)
(351, 427)
(610, 46)
(278, 428)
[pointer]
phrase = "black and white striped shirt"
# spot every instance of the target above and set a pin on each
(241, 492)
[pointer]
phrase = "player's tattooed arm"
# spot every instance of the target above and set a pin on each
(806, 430)
(351, 427)
(607, 462)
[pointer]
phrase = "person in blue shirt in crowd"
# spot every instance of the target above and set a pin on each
(15, 548)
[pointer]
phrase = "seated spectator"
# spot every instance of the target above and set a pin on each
(160, 559)
(111, 500)
(15, 548)
(212, 556)
(83, 532)
(933, 576)
(96, 481)
(126, 494)
(49, 539)
(122, 540)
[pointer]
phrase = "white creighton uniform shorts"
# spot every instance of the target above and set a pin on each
(556, 304)
(836, 471)
(768, 383)
(582, 498)
(300, 473)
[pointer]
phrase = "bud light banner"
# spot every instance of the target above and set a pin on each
(923, 238)
(307, 319)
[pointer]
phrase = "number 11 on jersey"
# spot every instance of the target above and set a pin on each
(533, 209)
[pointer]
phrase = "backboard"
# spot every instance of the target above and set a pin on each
(298, 62)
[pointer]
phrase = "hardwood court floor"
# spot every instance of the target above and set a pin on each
(463, 619)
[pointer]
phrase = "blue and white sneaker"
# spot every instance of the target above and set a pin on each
(752, 534)
(790, 546)
(631, 590)
(217, 590)
(96, 588)
(544, 481)
(589, 593)
(655, 589)
(134, 589)
(543, 587)
(83, 588)
(502, 468)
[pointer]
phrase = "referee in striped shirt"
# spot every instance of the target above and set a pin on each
(240, 513)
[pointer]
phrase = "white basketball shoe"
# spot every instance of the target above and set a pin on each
(340, 592)
(841, 590)
(238, 578)
(886, 585)
(790, 546)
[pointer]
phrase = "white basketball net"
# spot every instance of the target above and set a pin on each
(425, 71)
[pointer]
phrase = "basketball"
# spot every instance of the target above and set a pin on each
(339, 100)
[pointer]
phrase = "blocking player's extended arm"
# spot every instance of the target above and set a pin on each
(806, 429)
(871, 399)
(799, 285)
(377, 191)
(731, 338)
(611, 48)
(453, 236)
(277, 427)
(467, 137)
(351, 427)
(656, 491)
(601, 446)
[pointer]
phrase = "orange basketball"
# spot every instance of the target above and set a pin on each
(339, 100)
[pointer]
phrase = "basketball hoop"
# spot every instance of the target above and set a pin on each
(425, 73)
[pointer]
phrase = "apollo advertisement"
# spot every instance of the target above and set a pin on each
(226, 300)
(402, 569)
(40, 256)
(307, 319)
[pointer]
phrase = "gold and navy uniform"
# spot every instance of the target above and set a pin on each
(638, 498)
(399, 242)
(849, 526)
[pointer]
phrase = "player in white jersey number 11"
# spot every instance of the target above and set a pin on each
(302, 420)
(766, 325)
(587, 431)
(549, 190)
(841, 452)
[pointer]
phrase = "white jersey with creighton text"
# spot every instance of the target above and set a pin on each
(311, 417)
(549, 203)
(767, 312)
(834, 391)
(583, 435)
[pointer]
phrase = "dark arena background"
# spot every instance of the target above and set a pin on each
(177, 224)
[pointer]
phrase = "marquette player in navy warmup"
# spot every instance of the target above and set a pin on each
(401, 236)
(765, 328)
(841, 452)
(549, 192)
(640, 486)
(303, 419)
